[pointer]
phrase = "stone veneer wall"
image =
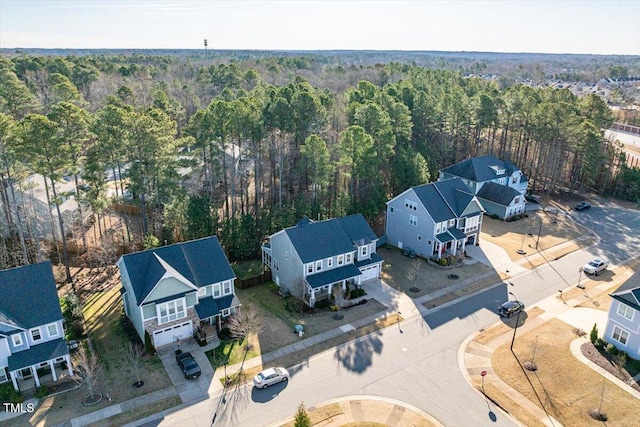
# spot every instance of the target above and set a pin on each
(152, 325)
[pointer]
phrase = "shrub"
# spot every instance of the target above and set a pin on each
(324, 303)
(356, 293)
(76, 330)
(442, 262)
(42, 392)
(611, 349)
(224, 334)
(334, 307)
(8, 394)
(148, 346)
(593, 336)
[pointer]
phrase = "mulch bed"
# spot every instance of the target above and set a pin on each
(605, 361)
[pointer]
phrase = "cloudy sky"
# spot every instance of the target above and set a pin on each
(599, 27)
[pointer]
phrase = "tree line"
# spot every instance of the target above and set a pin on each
(243, 148)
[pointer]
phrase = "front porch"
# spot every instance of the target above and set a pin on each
(61, 374)
(29, 368)
(320, 286)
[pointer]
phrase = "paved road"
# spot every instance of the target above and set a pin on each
(417, 362)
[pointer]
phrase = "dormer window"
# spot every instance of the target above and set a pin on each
(498, 170)
(363, 251)
(17, 340)
(348, 259)
(318, 265)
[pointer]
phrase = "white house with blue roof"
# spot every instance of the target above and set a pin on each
(316, 256)
(499, 184)
(173, 290)
(32, 344)
(623, 322)
(434, 220)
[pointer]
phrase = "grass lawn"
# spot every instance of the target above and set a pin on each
(563, 386)
(246, 269)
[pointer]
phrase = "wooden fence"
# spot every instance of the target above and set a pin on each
(252, 281)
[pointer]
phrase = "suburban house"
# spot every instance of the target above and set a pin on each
(623, 322)
(312, 257)
(434, 220)
(499, 185)
(172, 291)
(32, 345)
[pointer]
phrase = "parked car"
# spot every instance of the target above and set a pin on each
(532, 198)
(270, 376)
(595, 266)
(510, 308)
(583, 206)
(188, 364)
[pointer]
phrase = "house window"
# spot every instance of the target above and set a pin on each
(202, 292)
(17, 340)
(517, 200)
(226, 312)
(170, 311)
(3, 375)
(363, 251)
(52, 330)
(438, 228)
(318, 265)
(452, 222)
(411, 205)
(329, 262)
(286, 255)
(392, 209)
(413, 220)
(310, 268)
(419, 237)
(625, 311)
(276, 264)
(227, 287)
(620, 335)
(348, 258)
(216, 290)
(428, 242)
(36, 335)
(340, 259)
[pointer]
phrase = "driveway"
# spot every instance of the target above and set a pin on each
(189, 390)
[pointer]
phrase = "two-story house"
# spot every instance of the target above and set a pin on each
(434, 220)
(499, 184)
(32, 345)
(623, 322)
(171, 291)
(313, 257)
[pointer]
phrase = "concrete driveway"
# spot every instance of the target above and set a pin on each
(189, 390)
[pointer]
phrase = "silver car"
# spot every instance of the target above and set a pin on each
(270, 376)
(595, 266)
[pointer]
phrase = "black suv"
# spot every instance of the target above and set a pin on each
(582, 206)
(510, 308)
(188, 364)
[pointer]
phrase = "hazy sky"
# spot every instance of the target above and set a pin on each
(600, 27)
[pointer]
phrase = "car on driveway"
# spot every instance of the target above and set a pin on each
(510, 308)
(582, 206)
(533, 198)
(270, 376)
(595, 266)
(188, 364)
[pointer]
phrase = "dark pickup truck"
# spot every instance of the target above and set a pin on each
(188, 364)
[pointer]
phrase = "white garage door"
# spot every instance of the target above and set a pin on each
(172, 334)
(371, 272)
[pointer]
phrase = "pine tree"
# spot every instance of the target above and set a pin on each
(302, 418)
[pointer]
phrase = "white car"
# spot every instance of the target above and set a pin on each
(270, 376)
(595, 266)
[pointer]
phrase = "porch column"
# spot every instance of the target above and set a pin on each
(330, 290)
(344, 285)
(312, 298)
(14, 380)
(69, 367)
(53, 370)
(34, 372)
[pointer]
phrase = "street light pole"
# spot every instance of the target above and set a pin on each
(579, 276)
(517, 322)
(539, 231)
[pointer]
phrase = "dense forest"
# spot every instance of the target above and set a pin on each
(242, 144)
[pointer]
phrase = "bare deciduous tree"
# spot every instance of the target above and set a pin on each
(87, 370)
(245, 322)
(136, 356)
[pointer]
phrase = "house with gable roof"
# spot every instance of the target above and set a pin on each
(32, 345)
(313, 257)
(623, 320)
(499, 184)
(171, 291)
(434, 220)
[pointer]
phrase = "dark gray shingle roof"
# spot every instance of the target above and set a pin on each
(496, 193)
(323, 239)
(629, 294)
(38, 354)
(201, 261)
(479, 169)
(444, 199)
(29, 296)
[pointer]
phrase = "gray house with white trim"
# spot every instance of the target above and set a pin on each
(499, 184)
(32, 344)
(623, 321)
(173, 290)
(313, 257)
(434, 220)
